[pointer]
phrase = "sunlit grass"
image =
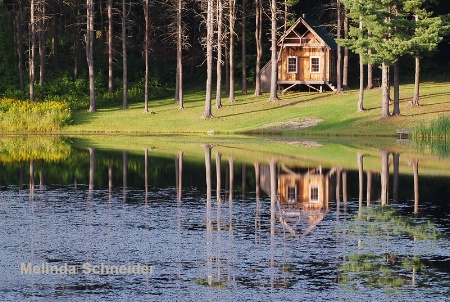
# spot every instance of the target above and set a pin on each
(249, 114)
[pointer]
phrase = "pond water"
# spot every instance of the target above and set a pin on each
(214, 224)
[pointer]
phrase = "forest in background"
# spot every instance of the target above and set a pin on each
(60, 49)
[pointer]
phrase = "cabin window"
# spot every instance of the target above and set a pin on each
(315, 64)
(314, 194)
(292, 64)
(291, 193)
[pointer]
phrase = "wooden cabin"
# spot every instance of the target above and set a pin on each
(308, 188)
(307, 56)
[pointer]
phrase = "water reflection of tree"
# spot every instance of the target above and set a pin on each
(374, 265)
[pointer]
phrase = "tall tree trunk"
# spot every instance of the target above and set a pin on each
(231, 168)
(227, 69)
(91, 168)
(147, 71)
(90, 52)
(360, 160)
(339, 52)
(55, 41)
(258, 38)
(361, 78)
(218, 178)
(76, 43)
(274, 60)
(232, 19)
(396, 88)
(41, 40)
(219, 54)
(345, 69)
(244, 49)
(209, 58)
(369, 68)
(415, 100)
(110, 48)
(33, 49)
(384, 177)
(415, 164)
(385, 90)
(19, 19)
(179, 80)
(124, 55)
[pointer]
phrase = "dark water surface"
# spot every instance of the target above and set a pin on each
(217, 228)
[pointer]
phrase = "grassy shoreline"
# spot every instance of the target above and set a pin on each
(336, 114)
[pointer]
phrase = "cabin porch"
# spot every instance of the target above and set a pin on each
(319, 86)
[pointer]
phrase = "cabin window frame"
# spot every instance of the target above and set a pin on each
(289, 65)
(314, 193)
(311, 64)
(290, 187)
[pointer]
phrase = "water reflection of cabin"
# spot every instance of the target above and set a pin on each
(302, 197)
(307, 58)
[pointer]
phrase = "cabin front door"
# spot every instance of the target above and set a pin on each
(303, 69)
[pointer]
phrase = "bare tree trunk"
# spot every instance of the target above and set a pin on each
(20, 67)
(124, 56)
(91, 168)
(231, 168)
(339, 53)
(147, 33)
(207, 151)
(232, 19)
(55, 42)
(90, 52)
(110, 48)
(258, 38)
(218, 178)
(244, 49)
(385, 91)
(209, 57)
(345, 69)
(361, 78)
(219, 54)
(396, 88)
(41, 40)
(369, 67)
(384, 177)
(179, 80)
(227, 70)
(360, 160)
(273, 36)
(415, 100)
(415, 164)
(369, 187)
(33, 49)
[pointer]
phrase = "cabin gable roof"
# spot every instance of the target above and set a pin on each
(302, 27)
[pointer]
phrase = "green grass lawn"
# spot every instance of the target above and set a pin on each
(250, 114)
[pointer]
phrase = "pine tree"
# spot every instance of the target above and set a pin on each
(393, 33)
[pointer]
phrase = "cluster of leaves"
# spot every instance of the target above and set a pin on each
(391, 29)
(25, 116)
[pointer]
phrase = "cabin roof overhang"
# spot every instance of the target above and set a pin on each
(310, 28)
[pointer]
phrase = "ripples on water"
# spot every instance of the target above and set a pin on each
(226, 251)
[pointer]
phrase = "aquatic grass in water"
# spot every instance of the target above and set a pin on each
(25, 116)
(435, 136)
(438, 129)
